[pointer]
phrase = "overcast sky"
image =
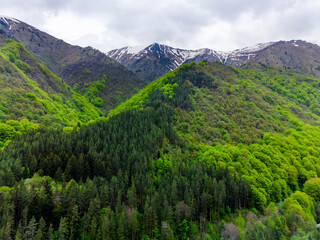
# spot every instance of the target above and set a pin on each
(190, 24)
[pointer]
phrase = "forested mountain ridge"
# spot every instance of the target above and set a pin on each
(76, 65)
(32, 96)
(205, 152)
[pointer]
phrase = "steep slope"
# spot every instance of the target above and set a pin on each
(203, 143)
(32, 96)
(153, 61)
(75, 64)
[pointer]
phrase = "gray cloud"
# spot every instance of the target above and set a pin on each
(221, 25)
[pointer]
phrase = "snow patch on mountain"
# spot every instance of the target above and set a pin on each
(254, 48)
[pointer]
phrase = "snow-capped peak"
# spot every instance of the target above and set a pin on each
(7, 19)
(254, 48)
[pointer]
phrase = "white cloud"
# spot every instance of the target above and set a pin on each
(74, 28)
(221, 25)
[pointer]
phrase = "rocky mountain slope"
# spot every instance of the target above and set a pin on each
(295, 55)
(151, 62)
(74, 64)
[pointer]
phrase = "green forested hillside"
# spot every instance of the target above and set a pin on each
(31, 96)
(205, 152)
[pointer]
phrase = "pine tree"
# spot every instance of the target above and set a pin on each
(167, 211)
(18, 235)
(121, 227)
(93, 228)
(6, 234)
(166, 231)
(41, 230)
(31, 229)
(183, 230)
(131, 195)
(63, 230)
(174, 193)
(50, 232)
(134, 223)
(108, 224)
(74, 220)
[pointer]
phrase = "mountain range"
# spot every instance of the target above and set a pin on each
(153, 61)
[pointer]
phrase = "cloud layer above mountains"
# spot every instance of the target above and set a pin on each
(216, 24)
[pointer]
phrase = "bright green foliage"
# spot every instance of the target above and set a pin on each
(31, 92)
(286, 220)
(6, 132)
(168, 89)
(31, 96)
(138, 99)
(106, 93)
(297, 87)
(67, 130)
(277, 166)
(301, 204)
(91, 90)
(312, 188)
(98, 102)
(23, 66)
(259, 198)
(12, 128)
(183, 230)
